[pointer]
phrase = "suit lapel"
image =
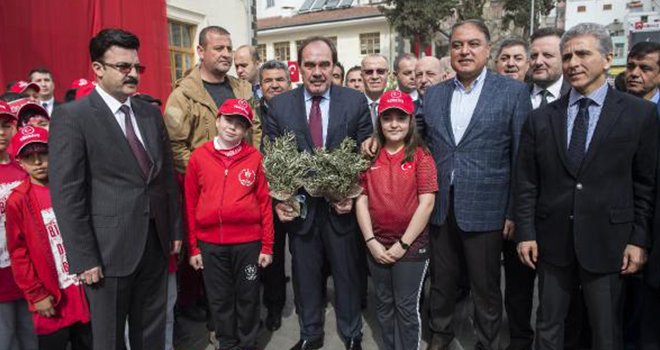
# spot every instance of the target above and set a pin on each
(149, 136)
(558, 120)
(110, 125)
(479, 109)
(609, 114)
(300, 112)
(447, 94)
(336, 119)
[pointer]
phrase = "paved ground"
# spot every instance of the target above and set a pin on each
(283, 339)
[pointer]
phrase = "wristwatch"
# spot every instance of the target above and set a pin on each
(404, 245)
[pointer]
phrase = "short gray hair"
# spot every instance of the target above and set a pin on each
(274, 64)
(597, 31)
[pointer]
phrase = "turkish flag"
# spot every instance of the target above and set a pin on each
(294, 71)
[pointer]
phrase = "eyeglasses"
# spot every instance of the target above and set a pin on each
(379, 71)
(125, 68)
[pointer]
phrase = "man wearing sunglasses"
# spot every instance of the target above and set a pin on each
(374, 76)
(115, 197)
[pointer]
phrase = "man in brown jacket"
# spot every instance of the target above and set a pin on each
(191, 109)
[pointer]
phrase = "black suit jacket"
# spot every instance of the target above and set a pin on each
(349, 117)
(102, 201)
(593, 214)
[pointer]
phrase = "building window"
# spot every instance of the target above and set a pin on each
(270, 3)
(298, 44)
(582, 8)
(181, 49)
(369, 43)
(282, 52)
(607, 7)
(261, 51)
(619, 50)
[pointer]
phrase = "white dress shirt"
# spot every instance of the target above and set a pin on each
(48, 105)
(114, 106)
(463, 103)
(554, 93)
(324, 105)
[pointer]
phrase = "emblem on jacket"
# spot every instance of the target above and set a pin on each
(251, 272)
(246, 177)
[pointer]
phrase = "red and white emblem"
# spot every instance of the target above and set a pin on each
(396, 94)
(27, 130)
(246, 177)
(406, 166)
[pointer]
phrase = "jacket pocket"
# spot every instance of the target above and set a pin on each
(623, 215)
(104, 221)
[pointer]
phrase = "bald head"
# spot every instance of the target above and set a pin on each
(246, 61)
(448, 71)
(427, 72)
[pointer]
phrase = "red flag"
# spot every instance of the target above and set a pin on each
(294, 71)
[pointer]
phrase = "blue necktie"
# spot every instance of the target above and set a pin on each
(577, 148)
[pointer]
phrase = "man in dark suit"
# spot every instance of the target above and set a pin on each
(43, 77)
(274, 79)
(642, 77)
(547, 85)
(473, 135)
(115, 197)
(585, 182)
(322, 115)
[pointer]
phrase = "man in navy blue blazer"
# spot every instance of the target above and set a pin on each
(322, 115)
(473, 124)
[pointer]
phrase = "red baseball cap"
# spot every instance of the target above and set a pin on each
(5, 110)
(78, 83)
(396, 99)
(24, 105)
(22, 85)
(236, 106)
(28, 135)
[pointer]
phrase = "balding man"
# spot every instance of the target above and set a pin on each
(404, 70)
(448, 71)
(427, 72)
(246, 61)
(374, 75)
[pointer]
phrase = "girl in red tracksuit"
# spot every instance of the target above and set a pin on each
(230, 225)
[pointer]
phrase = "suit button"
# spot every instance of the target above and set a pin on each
(578, 186)
(571, 217)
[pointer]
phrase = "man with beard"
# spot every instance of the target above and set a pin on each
(191, 109)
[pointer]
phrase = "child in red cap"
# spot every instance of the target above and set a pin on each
(38, 256)
(230, 225)
(393, 213)
(15, 323)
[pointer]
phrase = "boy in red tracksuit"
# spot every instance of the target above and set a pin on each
(38, 256)
(230, 225)
(16, 328)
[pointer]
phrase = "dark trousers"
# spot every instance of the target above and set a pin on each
(518, 301)
(650, 331)
(518, 298)
(632, 310)
(141, 297)
(273, 277)
(603, 298)
(78, 334)
(398, 289)
(481, 253)
(231, 278)
(307, 254)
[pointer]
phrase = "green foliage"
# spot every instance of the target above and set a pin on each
(517, 12)
(284, 166)
(335, 174)
(470, 9)
(418, 19)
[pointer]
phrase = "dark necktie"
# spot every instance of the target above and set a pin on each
(136, 146)
(544, 97)
(373, 110)
(316, 122)
(578, 145)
